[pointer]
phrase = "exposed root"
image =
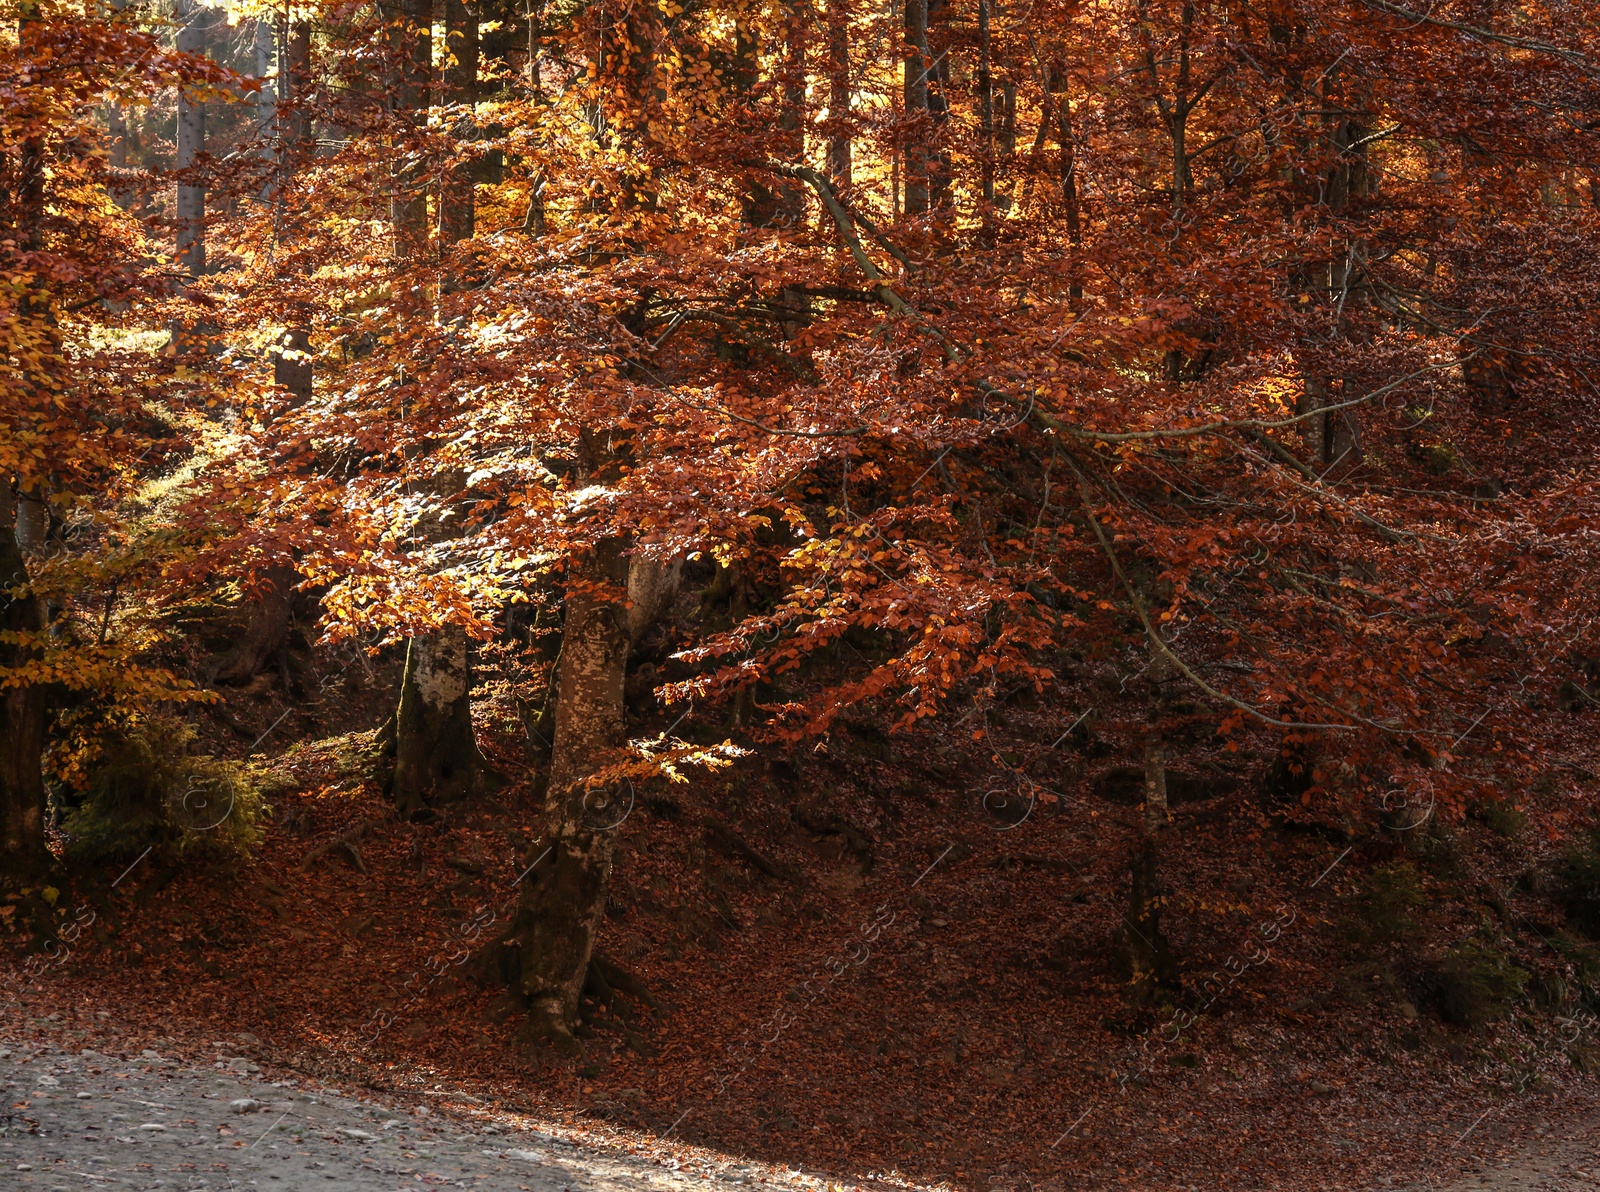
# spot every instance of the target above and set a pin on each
(731, 844)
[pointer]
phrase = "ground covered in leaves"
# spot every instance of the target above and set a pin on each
(873, 962)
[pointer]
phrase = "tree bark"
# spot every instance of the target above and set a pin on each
(563, 897)
(457, 211)
(410, 25)
(1068, 141)
(839, 94)
(191, 210)
(294, 85)
(24, 711)
(437, 760)
(985, 84)
(918, 63)
(1152, 966)
(266, 631)
(291, 363)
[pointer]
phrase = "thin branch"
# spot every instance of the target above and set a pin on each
(1573, 57)
(1157, 645)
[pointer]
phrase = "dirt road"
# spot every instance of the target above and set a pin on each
(87, 1120)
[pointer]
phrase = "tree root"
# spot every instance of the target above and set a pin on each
(345, 843)
(731, 844)
(620, 980)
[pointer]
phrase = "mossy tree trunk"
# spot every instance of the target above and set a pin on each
(24, 710)
(266, 633)
(436, 755)
(564, 895)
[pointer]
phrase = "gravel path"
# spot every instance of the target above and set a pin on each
(75, 1121)
(1558, 1161)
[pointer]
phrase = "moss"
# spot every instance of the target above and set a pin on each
(1577, 881)
(1385, 909)
(1501, 816)
(148, 792)
(1474, 983)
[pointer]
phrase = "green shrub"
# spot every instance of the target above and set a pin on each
(1577, 879)
(1501, 816)
(147, 791)
(1386, 906)
(1474, 983)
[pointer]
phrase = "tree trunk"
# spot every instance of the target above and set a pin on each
(266, 632)
(918, 63)
(1069, 185)
(1151, 963)
(191, 144)
(24, 710)
(411, 33)
(291, 356)
(266, 52)
(436, 756)
(839, 93)
(563, 898)
(291, 363)
(792, 196)
(294, 84)
(985, 85)
(457, 213)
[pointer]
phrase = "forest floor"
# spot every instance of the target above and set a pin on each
(866, 973)
(83, 1118)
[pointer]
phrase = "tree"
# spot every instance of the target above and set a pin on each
(74, 418)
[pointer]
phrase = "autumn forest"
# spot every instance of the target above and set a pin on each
(966, 593)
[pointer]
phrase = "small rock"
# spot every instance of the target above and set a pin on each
(154, 1127)
(24, 1166)
(358, 1135)
(244, 1105)
(86, 1096)
(527, 1156)
(1408, 1011)
(1322, 1090)
(393, 1124)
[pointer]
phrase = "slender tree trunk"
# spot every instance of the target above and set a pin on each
(291, 356)
(436, 754)
(266, 50)
(457, 213)
(24, 711)
(985, 83)
(24, 706)
(294, 83)
(563, 898)
(1069, 185)
(791, 195)
(411, 44)
(191, 144)
(1152, 965)
(918, 64)
(839, 94)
